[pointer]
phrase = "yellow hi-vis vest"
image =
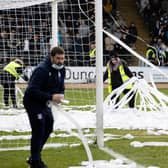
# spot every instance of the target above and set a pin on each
(92, 53)
(163, 54)
(11, 68)
(153, 53)
(124, 78)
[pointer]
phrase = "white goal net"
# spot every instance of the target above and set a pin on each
(26, 32)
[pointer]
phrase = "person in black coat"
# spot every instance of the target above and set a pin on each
(117, 73)
(46, 84)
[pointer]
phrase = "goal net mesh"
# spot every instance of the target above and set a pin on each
(26, 33)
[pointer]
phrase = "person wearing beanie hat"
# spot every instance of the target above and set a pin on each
(117, 73)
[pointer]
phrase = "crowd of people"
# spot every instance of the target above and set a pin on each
(26, 33)
(114, 23)
(155, 15)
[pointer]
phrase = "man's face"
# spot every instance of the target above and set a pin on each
(58, 59)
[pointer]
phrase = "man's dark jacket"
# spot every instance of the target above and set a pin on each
(44, 82)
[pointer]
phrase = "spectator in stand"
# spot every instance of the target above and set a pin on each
(62, 26)
(143, 4)
(146, 13)
(164, 5)
(155, 5)
(118, 48)
(138, 4)
(154, 42)
(14, 43)
(92, 53)
(166, 58)
(109, 44)
(84, 31)
(166, 34)
(132, 36)
(114, 5)
(107, 8)
(30, 32)
(78, 49)
(151, 55)
(157, 20)
(118, 33)
(26, 45)
(125, 39)
(26, 52)
(69, 21)
(153, 24)
(121, 21)
(108, 25)
(45, 31)
(4, 46)
(34, 45)
(59, 37)
(161, 47)
(67, 42)
(162, 36)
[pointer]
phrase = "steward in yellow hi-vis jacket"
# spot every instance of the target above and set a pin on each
(92, 54)
(10, 73)
(117, 73)
(152, 56)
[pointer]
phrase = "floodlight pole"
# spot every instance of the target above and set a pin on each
(99, 74)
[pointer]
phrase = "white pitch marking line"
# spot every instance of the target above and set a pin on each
(119, 156)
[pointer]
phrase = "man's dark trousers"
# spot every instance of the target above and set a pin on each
(42, 126)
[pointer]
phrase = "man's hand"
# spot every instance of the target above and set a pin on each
(57, 98)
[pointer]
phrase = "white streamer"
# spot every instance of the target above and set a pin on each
(150, 98)
(58, 108)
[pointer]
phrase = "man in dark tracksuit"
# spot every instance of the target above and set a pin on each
(46, 84)
(117, 73)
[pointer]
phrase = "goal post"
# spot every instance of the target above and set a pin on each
(99, 73)
(99, 63)
(29, 28)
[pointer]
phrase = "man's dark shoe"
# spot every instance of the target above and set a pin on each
(43, 164)
(28, 160)
(36, 163)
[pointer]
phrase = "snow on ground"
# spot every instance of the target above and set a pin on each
(17, 120)
(138, 144)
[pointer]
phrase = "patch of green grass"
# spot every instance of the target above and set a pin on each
(55, 158)
(79, 97)
(147, 156)
(64, 157)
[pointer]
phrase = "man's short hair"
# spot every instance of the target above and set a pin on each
(57, 50)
